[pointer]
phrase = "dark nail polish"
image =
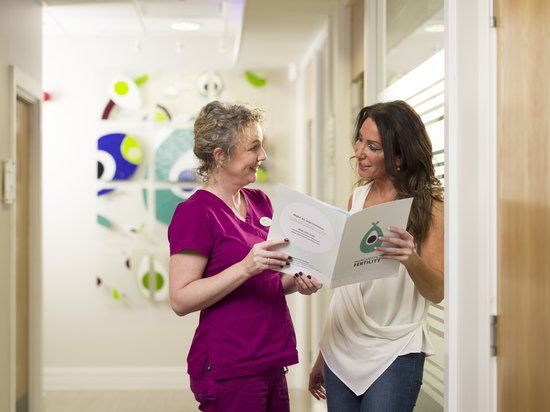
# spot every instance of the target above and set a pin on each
(300, 273)
(290, 258)
(288, 263)
(295, 275)
(309, 276)
(287, 240)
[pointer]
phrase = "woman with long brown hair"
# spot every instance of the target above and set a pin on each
(376, 336)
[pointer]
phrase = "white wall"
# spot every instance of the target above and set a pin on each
(20, 45)
(87, 335)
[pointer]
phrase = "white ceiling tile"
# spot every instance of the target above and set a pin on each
(274, 32)
(179, 8)
(98, 19)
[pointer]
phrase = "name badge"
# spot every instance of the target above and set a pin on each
(265, 221)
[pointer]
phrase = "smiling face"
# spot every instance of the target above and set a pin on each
(369, 152)
(241, 167)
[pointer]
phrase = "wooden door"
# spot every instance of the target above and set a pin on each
(22, 260)
(523, 116)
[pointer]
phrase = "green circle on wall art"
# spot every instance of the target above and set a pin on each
(159, 281)
(121, 88)
(151, 273)
(160, 116)
(131, 150)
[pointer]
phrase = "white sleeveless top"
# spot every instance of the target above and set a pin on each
(370, 324)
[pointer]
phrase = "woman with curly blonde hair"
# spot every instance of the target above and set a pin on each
(222, 266)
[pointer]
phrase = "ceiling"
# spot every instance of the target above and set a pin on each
(276, 31)
(255, 33)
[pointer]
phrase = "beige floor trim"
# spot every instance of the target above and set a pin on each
(130, 378)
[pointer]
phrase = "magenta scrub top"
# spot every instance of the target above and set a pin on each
(250, 330)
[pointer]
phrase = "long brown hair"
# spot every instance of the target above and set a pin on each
(404, 136)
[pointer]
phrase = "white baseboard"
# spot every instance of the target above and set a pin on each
(134, 378)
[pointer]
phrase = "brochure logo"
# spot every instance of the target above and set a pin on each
(371, 240)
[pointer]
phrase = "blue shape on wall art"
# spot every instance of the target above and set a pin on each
(118, 156)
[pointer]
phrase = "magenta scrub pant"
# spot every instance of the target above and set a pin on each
(263, 392)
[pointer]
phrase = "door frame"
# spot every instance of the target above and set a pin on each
(24, 87)
(471, 205)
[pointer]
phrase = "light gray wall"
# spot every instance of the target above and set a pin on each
(20, 45)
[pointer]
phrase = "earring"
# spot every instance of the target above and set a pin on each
(398, 168)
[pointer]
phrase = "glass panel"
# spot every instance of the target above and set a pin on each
(409, 33)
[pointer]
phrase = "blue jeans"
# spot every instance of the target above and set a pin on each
(396, 390)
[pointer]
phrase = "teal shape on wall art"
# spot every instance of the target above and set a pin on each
(145, 198)
(103, 221)
(174, 158)
(166, 201)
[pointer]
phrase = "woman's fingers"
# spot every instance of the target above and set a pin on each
(317, 389)
(399, 248)
(401, 232)
(312, 284)
(321, 393)
(317, 394)
(277, 255)
(401, 258)
(271, 243)
(271, 259)
(318, 285)
(394, 241)
(302, 286)
(307, 284)
(394, 250)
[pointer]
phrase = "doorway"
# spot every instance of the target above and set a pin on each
(22, 280)
(25, 279)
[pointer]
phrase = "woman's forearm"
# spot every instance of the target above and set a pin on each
(204, 292)
(428, 281)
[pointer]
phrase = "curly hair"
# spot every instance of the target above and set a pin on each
(220, 124)
(404, 135)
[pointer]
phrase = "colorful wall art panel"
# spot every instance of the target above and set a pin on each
(256, 78)
(152, 278)
(124, 92)
(118, 156)
(146, 167)
(166, 201)
(174, 157)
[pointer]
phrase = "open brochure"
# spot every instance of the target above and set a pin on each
(336, 246)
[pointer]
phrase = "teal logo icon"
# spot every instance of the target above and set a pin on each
(372, 239)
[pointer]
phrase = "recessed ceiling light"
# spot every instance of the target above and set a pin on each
(434, 28)
(185, 26)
